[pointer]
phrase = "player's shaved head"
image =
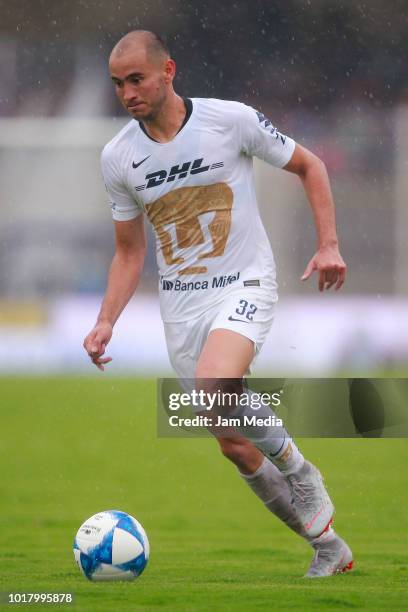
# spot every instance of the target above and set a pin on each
(142, 72)
(138, 40)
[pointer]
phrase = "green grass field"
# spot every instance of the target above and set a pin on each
(73, 446)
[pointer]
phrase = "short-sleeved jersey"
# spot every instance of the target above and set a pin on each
(198, 193)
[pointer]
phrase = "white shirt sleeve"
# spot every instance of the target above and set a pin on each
(123, 205)
(259, 138)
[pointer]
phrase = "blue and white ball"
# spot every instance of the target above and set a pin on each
(111, 545)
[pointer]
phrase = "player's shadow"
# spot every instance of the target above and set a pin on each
(366, 408)
(333, 407)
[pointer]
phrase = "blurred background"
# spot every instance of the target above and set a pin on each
(332, 75)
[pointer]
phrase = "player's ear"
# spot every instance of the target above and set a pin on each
(170, 70)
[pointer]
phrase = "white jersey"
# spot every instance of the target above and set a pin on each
(198, 192)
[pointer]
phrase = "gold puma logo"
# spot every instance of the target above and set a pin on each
(183, 207)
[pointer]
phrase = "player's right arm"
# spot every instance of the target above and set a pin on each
(124, 275)
(127, 263)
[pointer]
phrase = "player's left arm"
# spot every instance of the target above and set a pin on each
(327, 260)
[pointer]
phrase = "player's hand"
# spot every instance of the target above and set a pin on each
(330, 266)
(95, 344)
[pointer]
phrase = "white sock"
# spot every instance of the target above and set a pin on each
(273, 441)
(327, 536)
(289, 459)
(271, 487)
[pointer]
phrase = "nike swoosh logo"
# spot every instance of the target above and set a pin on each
(240, 320)
(141, 162)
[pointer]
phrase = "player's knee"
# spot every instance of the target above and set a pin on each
(209, 380)
(208, 369)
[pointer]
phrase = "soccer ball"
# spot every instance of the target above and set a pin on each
(111, 545)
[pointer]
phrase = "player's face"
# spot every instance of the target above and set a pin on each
(141, 84)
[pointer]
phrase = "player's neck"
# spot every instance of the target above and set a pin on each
(169, 120)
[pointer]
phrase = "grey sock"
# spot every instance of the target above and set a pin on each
(271, 487)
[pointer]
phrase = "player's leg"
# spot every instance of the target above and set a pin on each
(225, 358)
(185, 342)
(287, 483)
(263, 478)
(332, 554)
(242, 453)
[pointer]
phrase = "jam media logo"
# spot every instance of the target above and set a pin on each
(266, 124)
(176, 172)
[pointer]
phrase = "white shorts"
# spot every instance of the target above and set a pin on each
(248, 311)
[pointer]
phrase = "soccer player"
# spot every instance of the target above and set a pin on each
(187, 165)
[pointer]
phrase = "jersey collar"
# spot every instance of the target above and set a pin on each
(189, 109)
